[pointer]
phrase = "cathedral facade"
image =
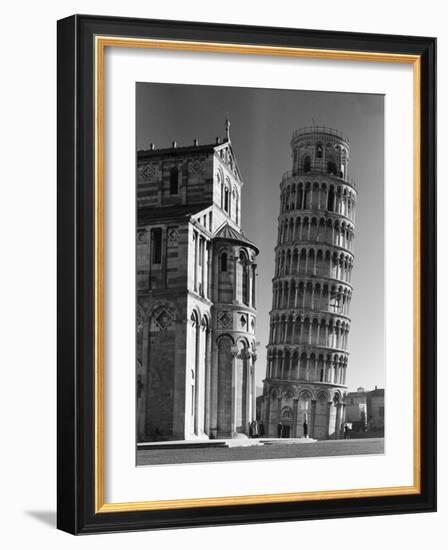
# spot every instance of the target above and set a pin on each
(196, 316)
(307, 359)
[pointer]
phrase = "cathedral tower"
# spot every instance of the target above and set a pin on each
(309, 322)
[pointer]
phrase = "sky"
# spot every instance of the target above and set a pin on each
(262, 123)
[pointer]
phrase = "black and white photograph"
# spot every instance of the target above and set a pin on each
(219, 283)
(260, 327)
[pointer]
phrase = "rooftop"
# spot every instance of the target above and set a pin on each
(194, 147)
(309, 130)
(375, 392)
(148, 214)
(229, 233)
(175, 150)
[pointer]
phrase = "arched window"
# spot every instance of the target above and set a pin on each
(245, 277)
(319, 151)
(296, 156)
(330, 206)
(156, 244)
(174, 181)
(299, 197)
(306, 198)
(237, 208)
(331, 168)
(224, 262)
(307, 164)
(226, 199)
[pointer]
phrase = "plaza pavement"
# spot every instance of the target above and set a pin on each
(340, 447)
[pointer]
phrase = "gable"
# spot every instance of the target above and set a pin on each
(227, 157)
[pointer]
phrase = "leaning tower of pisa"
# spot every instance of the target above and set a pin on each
(307, 354)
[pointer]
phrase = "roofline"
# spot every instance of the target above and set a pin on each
(176, 150)
(246, 241)
(172, 215)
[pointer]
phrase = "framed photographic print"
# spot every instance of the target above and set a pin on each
(246, 274)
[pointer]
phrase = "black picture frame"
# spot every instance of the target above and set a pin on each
(76, 480)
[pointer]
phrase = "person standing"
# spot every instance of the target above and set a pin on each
(279, 429)
(305, 426)
(346, 431)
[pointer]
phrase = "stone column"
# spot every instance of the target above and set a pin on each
(294, 416)
(254, 278)
(200, 383)
(279, 412)
(337, 427)
(254, 390)
(300, 330)
(214, 280)
(195, 237)
(203, 269)
(213, 414)
(207, 289)
(208, 381)
(267, 413)
(234, 393)
(330, 419)
(248, 402)
(313, 418)
(316, 367)
(235, 292)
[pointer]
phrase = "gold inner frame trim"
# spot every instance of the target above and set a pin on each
(101, 42)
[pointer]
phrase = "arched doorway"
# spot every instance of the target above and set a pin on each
(285, 426)
(304, 420)
(194, 373)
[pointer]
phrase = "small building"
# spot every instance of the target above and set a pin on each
(364, 410)
(356, 410)
(375, 410)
